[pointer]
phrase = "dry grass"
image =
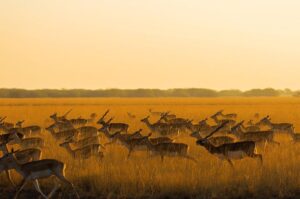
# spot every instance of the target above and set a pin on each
(141, 177)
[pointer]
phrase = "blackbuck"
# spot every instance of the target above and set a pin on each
(256, 136)
(155, 113)
(230, 151)
(83, 142)
(29, 130)
(130, 115)
(62, 118)
(62, 135)
(217, 141)
(218, 121)
(164, 117)
(169, 149)
(61, 126)
(285, 128)
(227, 116)
(159, 140)
(85, 152)
(87, 131)
(161, 128)
(34, 142)
(115, 137)
(78, 122)
(251, 126)
(113, 127)
(8, 125)
(35, 170)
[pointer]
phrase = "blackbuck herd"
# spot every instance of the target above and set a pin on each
(228, 139)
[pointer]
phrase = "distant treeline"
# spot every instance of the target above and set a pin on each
(189, 92)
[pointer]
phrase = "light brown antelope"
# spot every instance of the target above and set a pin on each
(164, 117)
(78, 122)
(87, 131)
(113, 138)
(169, 149)
(159, 140)
(256, 136)
(155, 113)
(251, 126)
(8, 125)
(217, 141)
(228, 116)
(218, 121)
(34, 142)
(113, 127)
(230, 151)
(32, 171)
(84, 142)
(285, 128)
(62, 118)
(161, 128)
(29, 130)
(85, 152)
(62, 135)
(130, 115)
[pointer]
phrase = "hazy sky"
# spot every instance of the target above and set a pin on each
(219, 44)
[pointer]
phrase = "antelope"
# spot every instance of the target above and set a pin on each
(92, 118)
(78, 121)
(85, 152)
(61, 126)
(165, 118)
(251, 126)
(130, 115)
(237, 150)
(155, 112)
(118, 136)
(161, 128)
(229, 122)
(159, 140)
(113, 127)
(60, 118)
(6, 124)
(35, 170)
(256, 136)
(62, 135)
(31, 143)
(87, 131)
(169, 149)
(228, 116)
(29, 130)
(277, 127)
(84, 142)
(217, 141)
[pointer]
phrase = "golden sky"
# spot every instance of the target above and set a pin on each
(219, 44)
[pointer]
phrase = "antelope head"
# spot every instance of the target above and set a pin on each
(101, 120)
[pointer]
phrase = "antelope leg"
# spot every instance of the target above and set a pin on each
(38, 188)
(23, 183)
(9, 177)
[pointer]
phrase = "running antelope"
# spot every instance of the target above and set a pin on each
(217, 141)
(230, 151)
(85, 152)
(29, 130)
(251, 126)
(84, 142)
(227, 116)
(60, 118)
(26, 143)
(78, 122)
(169, 149)
(286, 128)
(33, 171)
(161, 128)
(87, 131)
(218, 121)
(8, 125)
(256, 136)
(62, 135)
(164, 117)
(113, 127)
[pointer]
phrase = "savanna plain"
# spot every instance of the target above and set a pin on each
(115, 176)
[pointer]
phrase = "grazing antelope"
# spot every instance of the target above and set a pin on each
(113, 127)
(256, 136)
(85, 152)
(32, 171)
(286, 128)
(237, 150)
(62, 135)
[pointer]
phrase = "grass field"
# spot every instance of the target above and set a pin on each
(141, 177)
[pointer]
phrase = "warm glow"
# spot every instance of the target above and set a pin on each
(151, 44)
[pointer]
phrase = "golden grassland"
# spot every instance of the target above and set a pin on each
(144, 177)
